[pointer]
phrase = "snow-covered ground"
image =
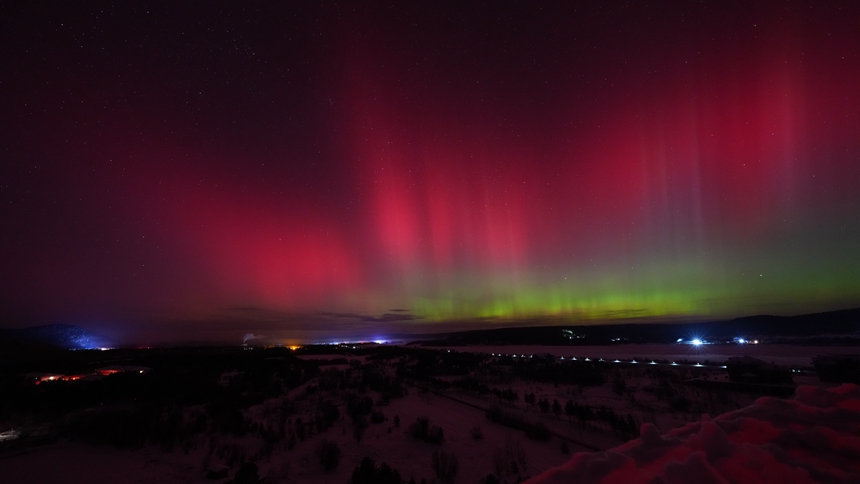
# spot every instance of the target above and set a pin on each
(413, 458)
(812, 438)
(674, 444)
(74, 463)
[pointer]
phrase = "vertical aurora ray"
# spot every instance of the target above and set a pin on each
(692, 198)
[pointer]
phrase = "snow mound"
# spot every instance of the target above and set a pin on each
(814, 437)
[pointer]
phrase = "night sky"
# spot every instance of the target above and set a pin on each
(198, 171)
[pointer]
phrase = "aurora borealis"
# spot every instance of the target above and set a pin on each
(332, 166)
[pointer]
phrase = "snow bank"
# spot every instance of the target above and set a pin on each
(813, 438)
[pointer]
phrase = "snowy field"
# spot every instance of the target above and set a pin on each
(675, 443)
(814, 437)
(76, 463)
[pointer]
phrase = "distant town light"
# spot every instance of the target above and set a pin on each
(741, 340)
(697, 342)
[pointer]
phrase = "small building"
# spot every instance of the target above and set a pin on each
(228, 377)
(746, 369)
(216, 472)
(544, 357)
(110, 370)
(75, 377)
(838, 368)
(42, 377)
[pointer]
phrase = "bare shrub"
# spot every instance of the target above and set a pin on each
(491, 479)
(368, 472)
(207, 460)
(247, 474)
(377, 417)
(533, 430)
(359, 428)
(232, 454)
(517, 452)
(435, 435)
(500, 462)
(422, 430)
(285, 470)
(511, 459)
(538, 431)
(328, 453)
(445, 465)
(418, 428)
(273, 476)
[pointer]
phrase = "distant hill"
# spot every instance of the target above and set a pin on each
(52, 336)
(842, 327)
